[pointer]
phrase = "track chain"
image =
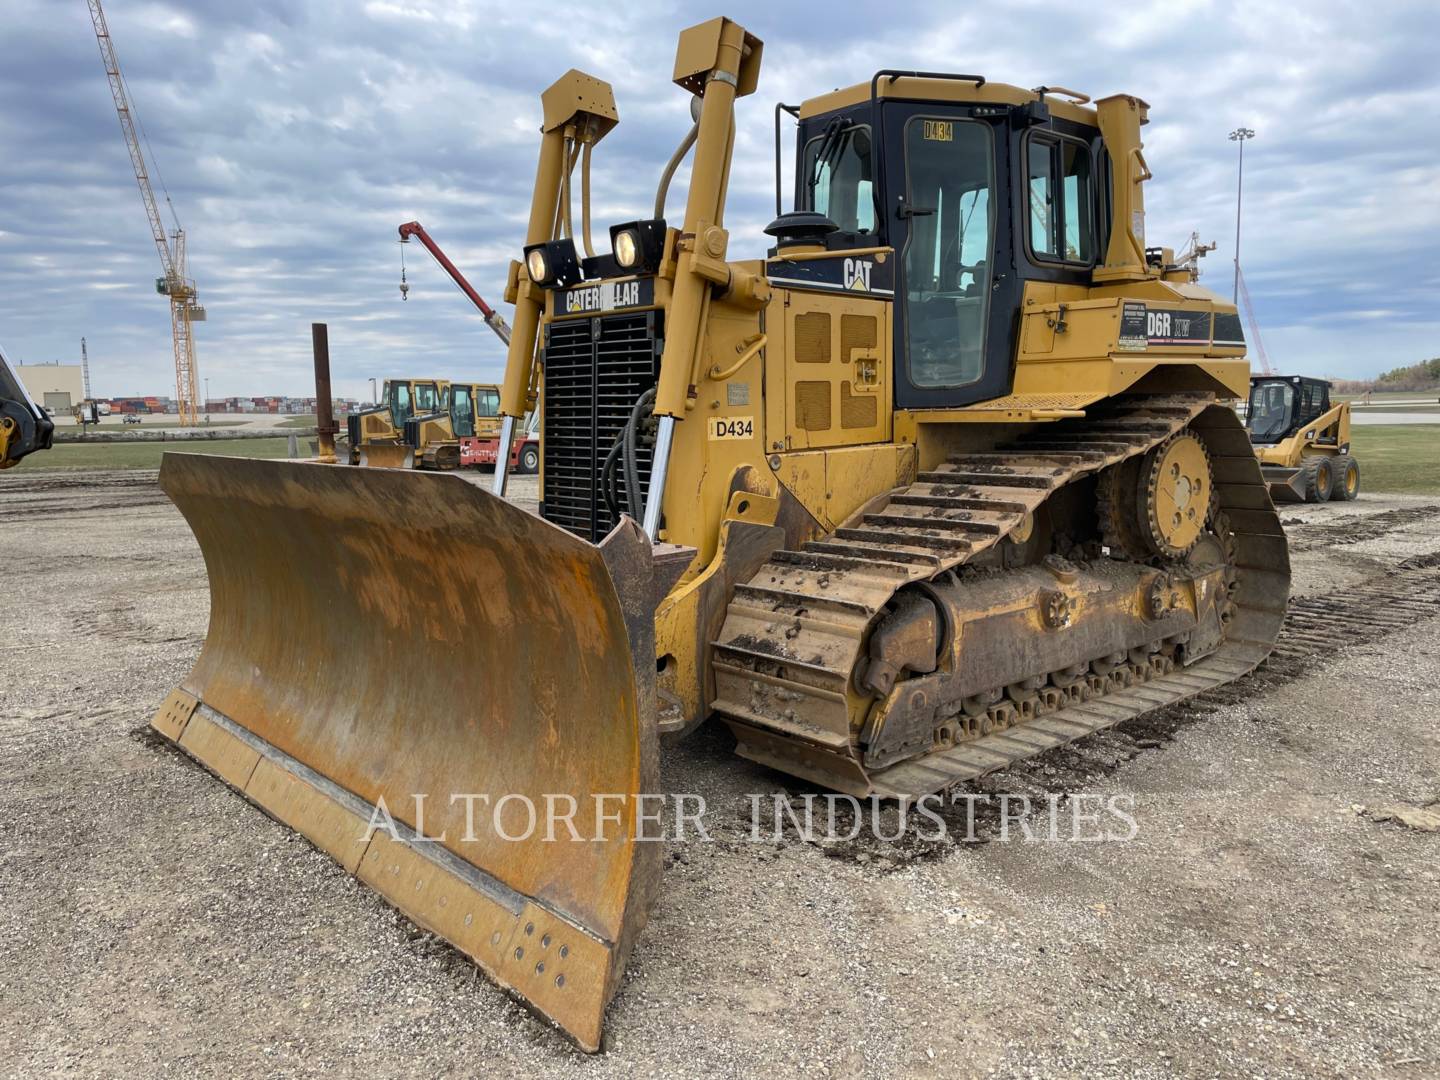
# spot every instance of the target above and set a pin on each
(794, 632)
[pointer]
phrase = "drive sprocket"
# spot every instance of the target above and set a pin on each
(1174, 496)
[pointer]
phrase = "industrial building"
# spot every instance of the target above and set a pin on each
(56, 386)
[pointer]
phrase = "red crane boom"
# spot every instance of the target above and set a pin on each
(492, 317)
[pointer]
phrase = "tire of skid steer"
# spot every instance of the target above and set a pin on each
(1347, 479)
(1319, 474)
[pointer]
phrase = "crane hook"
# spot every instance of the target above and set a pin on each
(404, 285)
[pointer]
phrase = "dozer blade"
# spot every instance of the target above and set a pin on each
(387, 456)
(408, 640)
(1285, 484)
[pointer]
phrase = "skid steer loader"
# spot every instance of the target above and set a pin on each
(939, 483)
(1302, 441)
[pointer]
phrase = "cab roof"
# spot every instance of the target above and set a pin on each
(927, 86)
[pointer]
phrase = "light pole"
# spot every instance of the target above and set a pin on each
(372, 390)
(207, 395)
(1239, 135)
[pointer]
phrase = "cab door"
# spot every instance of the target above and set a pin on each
(462, 410)
(487, 411)
(945, 182)
(399, 403)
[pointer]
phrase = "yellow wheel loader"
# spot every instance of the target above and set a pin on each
(942, 481)
(1302, 441)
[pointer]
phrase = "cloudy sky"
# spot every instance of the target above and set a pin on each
(294, 136)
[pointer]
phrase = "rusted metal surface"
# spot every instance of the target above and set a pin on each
(380, 635)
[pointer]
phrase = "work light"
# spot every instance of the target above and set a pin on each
(638, 245)
(553, 264)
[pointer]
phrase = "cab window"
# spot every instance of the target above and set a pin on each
(399, 402)
(839, 180)
(462, 411)
(487, 401)
(1314, 401)
(949, 166)
(1061, 218)
(1269, 411)
(427, 398)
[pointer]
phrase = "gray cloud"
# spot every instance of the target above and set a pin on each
(296, 136)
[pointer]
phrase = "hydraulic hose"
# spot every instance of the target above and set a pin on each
(585, 200)
(624, 458)
(676, 158)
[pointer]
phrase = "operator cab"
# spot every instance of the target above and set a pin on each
(1280, 405)
(978, 188)
(409, 398)
(470, 403)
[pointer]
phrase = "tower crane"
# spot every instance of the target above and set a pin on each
(184, 308)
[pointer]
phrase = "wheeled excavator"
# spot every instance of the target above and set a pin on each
(940, 481)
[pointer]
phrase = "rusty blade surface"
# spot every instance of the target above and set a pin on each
(404, 634)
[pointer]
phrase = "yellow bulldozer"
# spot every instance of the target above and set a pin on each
(941, 481)
(421, 422)
(433, 440)
(375, 436)
(1301, 439)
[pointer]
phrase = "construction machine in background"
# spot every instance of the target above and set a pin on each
(175, 282)
(376, 436)
(24, 426)
(443, 426)
(1301, 439)
(435, 439)
(941, 482)
(424, 424)
(482, 453)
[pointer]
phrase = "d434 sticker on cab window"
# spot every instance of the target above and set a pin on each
(732, 427)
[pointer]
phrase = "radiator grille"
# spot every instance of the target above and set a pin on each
(812, 337)
(856, 332)
(857, 410)
(595, 369)
(812, 405)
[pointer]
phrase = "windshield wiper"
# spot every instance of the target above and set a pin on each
(829, 148)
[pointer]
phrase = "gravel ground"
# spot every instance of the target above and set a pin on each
(1262, 920)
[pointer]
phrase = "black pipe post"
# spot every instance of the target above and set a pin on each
(324, 411)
